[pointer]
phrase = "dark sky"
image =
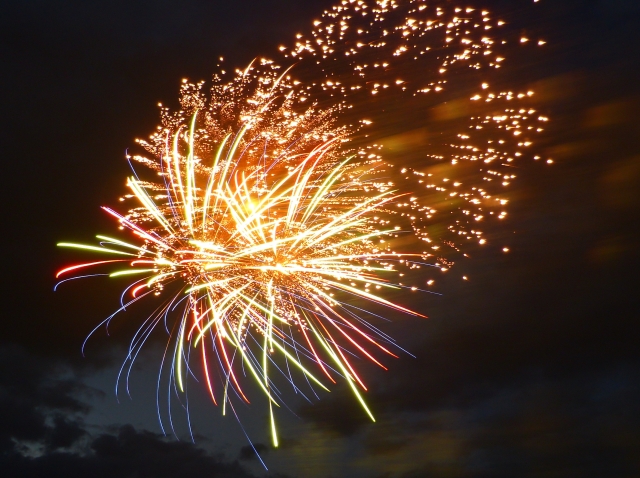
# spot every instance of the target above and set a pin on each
(531, 368)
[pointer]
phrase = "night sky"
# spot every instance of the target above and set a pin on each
(531, 368)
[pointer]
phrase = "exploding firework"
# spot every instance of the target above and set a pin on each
(269, 229)
(273, 233)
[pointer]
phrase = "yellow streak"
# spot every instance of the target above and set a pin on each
(123, 244)
(207, 195)
(149, 204)
(93, 248)
(340, 365)
(129, 272)
(190, 173)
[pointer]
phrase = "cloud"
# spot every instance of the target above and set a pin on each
(129, 453)
(64, 433)
(586, 425)
(42, 432)
(249, 452)
(35, 407)
(338, 413)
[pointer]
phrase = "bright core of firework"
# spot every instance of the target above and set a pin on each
(267, 230)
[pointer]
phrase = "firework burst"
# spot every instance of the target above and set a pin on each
(273, 233)
(266, 228)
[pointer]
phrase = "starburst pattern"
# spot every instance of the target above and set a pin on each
(270, 229)
(274, 235)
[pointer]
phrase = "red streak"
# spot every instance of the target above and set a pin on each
(87, 264)
(135, 290)
(318, 359)
(341, 354)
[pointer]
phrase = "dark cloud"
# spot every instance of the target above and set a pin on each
(586, 427)
(130, 453)
(64, 433)
(338, 413)
(35, 406)
(42, 432)
(248, 452)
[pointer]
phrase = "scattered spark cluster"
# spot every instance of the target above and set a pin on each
(288, 205)
(431, 65)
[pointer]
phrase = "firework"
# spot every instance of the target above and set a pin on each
(273, 232)
(267, 229)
